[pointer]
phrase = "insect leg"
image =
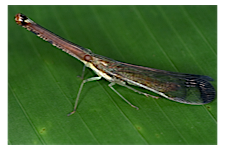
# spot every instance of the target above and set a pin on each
(78, 95)
(139, 92)
(82, 75)
(111, 86)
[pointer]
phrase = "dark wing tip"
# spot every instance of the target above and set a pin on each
(206, 78)
(207, 91)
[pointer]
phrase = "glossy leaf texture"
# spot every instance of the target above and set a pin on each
(43, 82)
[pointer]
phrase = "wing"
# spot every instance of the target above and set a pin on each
(179, 87)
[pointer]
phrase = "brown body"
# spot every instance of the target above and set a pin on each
(183, 88)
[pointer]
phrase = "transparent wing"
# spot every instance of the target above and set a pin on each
(183, 88)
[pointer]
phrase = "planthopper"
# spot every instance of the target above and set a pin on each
(179, 87)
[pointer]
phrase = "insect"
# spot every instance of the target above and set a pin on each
(179, 87)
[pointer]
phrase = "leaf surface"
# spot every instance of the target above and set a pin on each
(43, 82)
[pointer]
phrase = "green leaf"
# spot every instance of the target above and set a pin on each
(43, 82)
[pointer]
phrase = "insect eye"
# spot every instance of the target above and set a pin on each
(87, 58)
